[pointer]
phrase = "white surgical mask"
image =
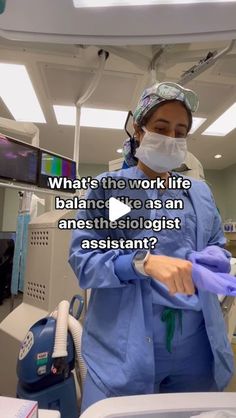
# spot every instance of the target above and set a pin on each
(161, 153)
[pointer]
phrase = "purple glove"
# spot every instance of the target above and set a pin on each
(218, 283)
(213, 258)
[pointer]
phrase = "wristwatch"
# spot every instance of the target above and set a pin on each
(139, 261)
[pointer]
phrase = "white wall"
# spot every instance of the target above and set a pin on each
(229, 192)
(92, 169)
(10, 210)
(223, 185)
(215, 181)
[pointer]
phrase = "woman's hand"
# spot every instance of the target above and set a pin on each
(175, 273)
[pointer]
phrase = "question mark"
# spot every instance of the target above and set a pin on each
(152, 242)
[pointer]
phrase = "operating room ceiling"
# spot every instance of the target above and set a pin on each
(61, 74)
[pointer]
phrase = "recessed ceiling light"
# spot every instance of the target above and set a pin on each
(224, 124)
(112, 3)
(18, 94)
(119, 151)
(218, 156)
(97, 118)
(197, 122)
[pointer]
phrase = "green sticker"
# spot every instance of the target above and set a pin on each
(42, 358)
(41, 362)
(2, 5)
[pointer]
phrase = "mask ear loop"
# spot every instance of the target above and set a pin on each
(133, 142)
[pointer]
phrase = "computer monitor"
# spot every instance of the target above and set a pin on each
(18, 160)
(52, 165)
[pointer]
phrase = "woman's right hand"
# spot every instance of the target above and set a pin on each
(175, 273)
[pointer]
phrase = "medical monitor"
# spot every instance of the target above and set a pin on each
(52, 165)
(18, 160)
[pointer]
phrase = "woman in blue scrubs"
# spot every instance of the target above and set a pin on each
(148, 329)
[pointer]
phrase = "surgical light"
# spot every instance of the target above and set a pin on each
(224, 124)
(17, 92)
(217, 156)
(119, 150)
(90, 117)
(112, 3)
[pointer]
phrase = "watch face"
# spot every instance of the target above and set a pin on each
(140, 255)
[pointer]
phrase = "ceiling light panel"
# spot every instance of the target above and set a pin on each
(113, 3)
(197, 122)
(224, 124)
(97, 118)
(17, 92)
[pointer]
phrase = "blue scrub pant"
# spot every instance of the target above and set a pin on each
(189, 368)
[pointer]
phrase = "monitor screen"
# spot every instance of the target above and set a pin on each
(52, 165)
(18, 161)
